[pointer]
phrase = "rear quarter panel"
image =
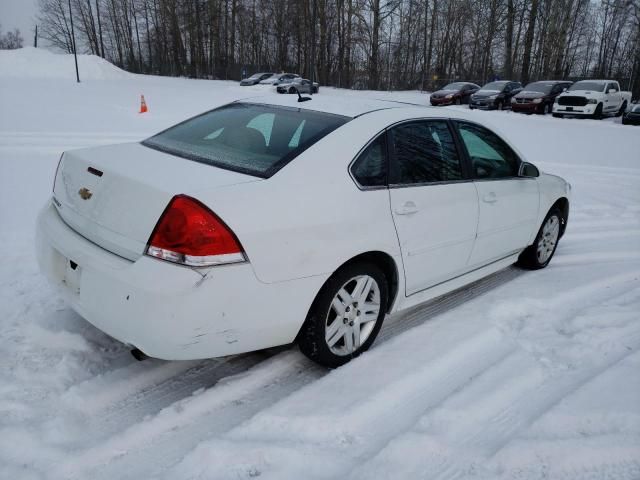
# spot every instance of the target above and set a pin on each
(310, 217)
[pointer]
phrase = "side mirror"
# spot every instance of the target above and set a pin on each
(528, 170)
(612, 90)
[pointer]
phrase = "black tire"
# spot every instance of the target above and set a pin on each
(311, 338)
(623, 107)
(500, 106)
(458, 101)
(546, 109)
(597, 115)
(292, 90)
(529, 257)
(316, 89)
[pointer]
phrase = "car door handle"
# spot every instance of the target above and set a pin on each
(490, 198)
(407, 209)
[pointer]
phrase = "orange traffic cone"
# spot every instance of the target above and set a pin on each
(143, 104)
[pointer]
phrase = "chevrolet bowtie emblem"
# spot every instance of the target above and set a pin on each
(85, 193)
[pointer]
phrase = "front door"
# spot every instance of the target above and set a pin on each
(435, 209)
(508, 204)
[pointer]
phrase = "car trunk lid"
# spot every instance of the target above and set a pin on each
(114, 195)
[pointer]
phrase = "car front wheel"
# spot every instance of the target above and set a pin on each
(539, 254)
(346, 316)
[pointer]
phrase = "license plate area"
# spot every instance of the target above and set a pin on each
(569, 109)
(72, 275)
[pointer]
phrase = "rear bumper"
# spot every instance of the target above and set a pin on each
(168, 311)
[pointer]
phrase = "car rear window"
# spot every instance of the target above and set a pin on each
(249, 138)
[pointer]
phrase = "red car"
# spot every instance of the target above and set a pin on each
(538, 97)
(454, 94)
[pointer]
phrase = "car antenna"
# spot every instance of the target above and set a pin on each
(301, 98)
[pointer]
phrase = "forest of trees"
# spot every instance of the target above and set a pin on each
(376, 44)
(10, 40)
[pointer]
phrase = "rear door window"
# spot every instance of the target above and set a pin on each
(424, 152)
(249, 138)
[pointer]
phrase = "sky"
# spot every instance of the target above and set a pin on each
(19, 14)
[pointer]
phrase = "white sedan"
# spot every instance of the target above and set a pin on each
(269, 221)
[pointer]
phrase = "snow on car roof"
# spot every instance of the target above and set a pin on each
(337, 105)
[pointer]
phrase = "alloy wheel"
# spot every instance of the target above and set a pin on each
(548, 239)
(353, 314)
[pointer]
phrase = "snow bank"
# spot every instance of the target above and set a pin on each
(32, 62)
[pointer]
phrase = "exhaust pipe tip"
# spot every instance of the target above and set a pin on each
(138, 354)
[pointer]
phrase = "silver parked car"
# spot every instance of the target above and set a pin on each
(301, 85)
(255, 79)
(279, 78)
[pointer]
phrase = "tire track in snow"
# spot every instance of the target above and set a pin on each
(278, 375)
(128, 411)
(528, 399)
(110, 407)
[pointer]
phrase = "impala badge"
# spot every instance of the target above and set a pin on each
(85, 193)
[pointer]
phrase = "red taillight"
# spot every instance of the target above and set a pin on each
(190, 234)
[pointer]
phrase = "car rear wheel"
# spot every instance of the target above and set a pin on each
(540, 253)
(292, 90)
(546, 109)
(500, 106)
(458, 101)
(346, 316)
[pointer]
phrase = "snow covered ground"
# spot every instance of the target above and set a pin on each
(524, 375)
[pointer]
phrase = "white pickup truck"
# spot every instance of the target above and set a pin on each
(592, 98)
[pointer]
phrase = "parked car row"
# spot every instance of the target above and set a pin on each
(284, 82)
(592, 98)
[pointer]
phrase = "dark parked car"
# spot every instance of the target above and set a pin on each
(632, 115)
(495, 95)
(538, 97)
(454, 94)
(255, 79)
(301, 85)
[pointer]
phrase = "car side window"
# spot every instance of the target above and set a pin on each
(490, 156)
(424, 152)
(370, 168)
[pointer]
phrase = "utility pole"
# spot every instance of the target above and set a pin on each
(73, 39)
(35, 38)
(313, 43)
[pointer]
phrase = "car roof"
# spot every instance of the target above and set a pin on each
(337, 105)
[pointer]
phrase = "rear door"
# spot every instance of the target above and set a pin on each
(508, 204)
(433, 203)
